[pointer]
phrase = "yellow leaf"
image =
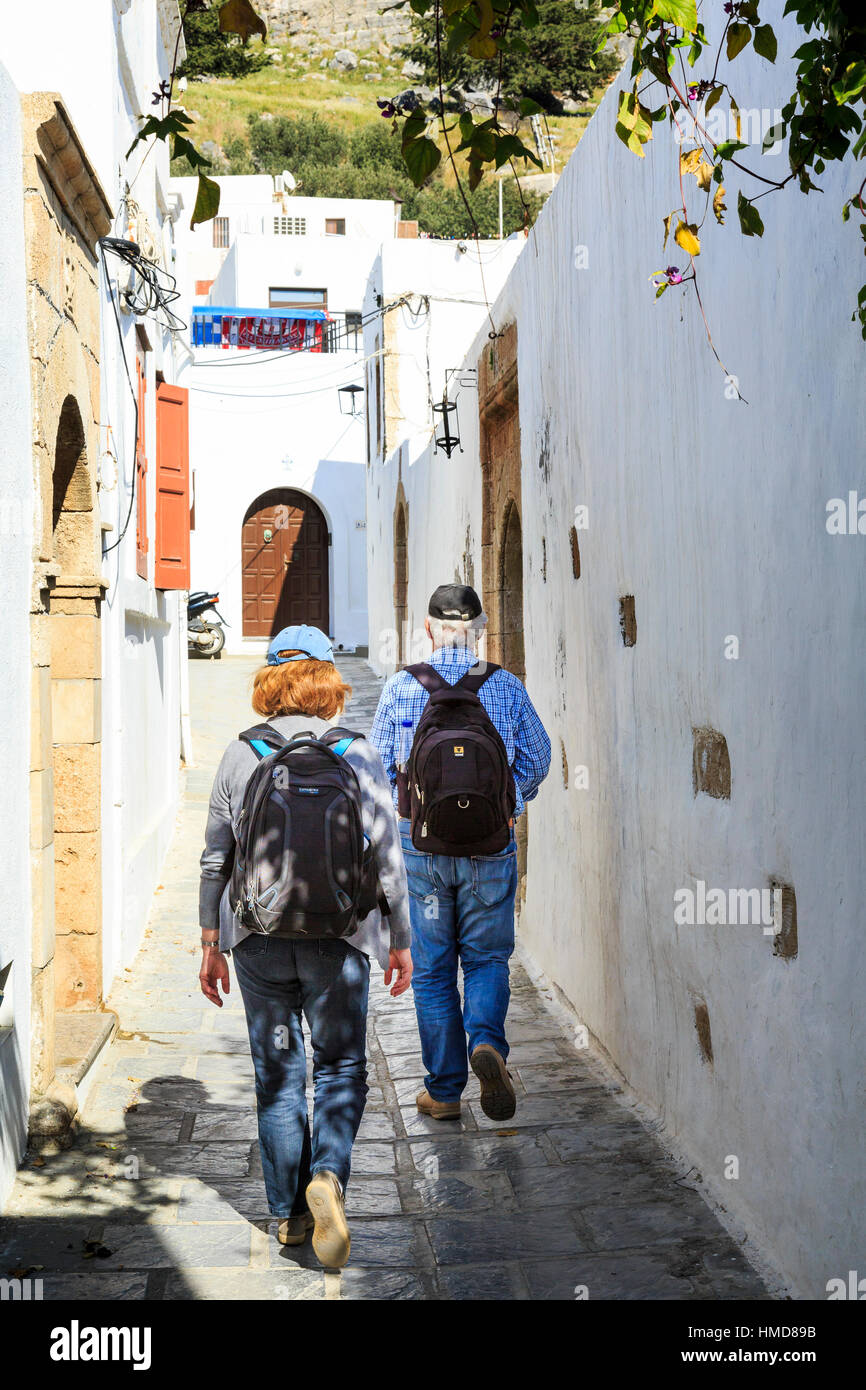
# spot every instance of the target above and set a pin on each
(719, 205)
(735, 112)
(704, 175)
(686, 237)
(239, 17)
(689, 160)
(667, 222)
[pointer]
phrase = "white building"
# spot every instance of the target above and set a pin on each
(105, 604)
(656, 556)
(277, 443)
(416, 492)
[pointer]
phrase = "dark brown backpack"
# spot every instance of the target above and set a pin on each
(461, 788)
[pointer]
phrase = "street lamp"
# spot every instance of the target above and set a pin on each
(348, 398)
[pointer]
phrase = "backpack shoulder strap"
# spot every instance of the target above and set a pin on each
(263, 739)
(474, 679)
(339, 739)
(427, 676)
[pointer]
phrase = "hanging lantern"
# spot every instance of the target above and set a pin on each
(448, 440)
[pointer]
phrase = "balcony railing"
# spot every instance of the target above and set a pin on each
(294, 330)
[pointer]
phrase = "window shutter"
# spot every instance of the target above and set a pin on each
(172, 487)
(140, 478)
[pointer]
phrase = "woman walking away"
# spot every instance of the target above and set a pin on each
(302, 881)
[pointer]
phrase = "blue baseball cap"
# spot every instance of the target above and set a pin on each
(308, 642)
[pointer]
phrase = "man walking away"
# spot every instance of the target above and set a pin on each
(464, 750)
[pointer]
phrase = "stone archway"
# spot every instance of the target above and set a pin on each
(401, 576)
(75, 675)
(285, 549)
(501, 531)
(510, 616)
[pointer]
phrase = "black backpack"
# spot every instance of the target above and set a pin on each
(461, 788)
(302, 867)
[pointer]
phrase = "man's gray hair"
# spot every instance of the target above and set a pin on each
(457, 632)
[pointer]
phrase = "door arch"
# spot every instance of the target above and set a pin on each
(513, 656)
(284, 563)
(401, 578)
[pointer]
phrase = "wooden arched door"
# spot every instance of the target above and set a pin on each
(284, 558)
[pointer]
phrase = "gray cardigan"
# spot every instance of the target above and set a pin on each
(375, 934)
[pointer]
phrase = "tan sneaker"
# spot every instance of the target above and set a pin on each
(331, 1239)
(292, 1230)
(437, 1109)
(498, 1100)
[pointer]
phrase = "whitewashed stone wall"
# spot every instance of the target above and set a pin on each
(712, 515)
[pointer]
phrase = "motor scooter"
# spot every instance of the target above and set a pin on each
(205, 637)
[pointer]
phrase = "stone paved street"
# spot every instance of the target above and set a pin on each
(161, 1197)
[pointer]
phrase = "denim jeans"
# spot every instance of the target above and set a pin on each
(328, 981)
(462, 910)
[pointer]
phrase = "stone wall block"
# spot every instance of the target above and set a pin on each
(76, 787)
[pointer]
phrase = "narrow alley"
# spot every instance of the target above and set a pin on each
(160, 1195)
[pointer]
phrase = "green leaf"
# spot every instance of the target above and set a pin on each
(712, 99)
(421, 157)
(511, 147)
(682, 13)
(773, 136)
(162, 127)
(634, 123)
(765, 42)
(750, 221)
(183, 147)
(207, 202)
(528, 107)
(852, 83)
(728, 148)
(738, 37)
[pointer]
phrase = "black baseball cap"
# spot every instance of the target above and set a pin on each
(454, 601)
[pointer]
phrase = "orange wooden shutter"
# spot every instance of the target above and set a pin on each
(172, 487)
(140, 478)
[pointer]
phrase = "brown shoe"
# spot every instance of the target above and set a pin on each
(292, 1230)
(437, 1109)
(498, 1100)
(331, 1239)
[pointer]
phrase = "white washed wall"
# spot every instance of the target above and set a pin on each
(712, 514)
(443, 495)
(16, 539)
(143, 628)
(258, 424)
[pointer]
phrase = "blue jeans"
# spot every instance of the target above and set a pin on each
(328, 981)
(462, 909)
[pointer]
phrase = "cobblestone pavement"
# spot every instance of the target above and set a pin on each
(161, 1196)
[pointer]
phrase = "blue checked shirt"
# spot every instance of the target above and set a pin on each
(503, 696)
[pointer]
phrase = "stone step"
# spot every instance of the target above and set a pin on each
(80, 1041)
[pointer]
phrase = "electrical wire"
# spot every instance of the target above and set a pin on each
(153, 288)
(132, 392)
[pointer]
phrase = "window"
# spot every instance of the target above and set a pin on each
(220, 231)
(290, 226)
(335, 226)
(289, 298)
(171, 558)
